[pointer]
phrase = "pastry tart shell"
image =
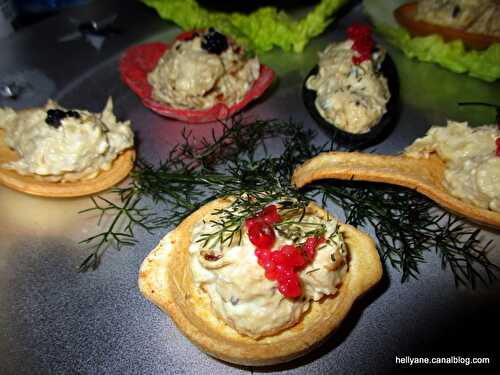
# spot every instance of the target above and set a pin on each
(165, 279)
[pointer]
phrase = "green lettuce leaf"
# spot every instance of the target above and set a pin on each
(451, 55)
(262, 30)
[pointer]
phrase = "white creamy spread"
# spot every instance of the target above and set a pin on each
(474, 16)
(241, 295)
(472, 167)
(78, 149)
(188, 76)
(352, 97)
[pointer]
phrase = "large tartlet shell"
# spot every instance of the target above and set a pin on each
(120, 169)
(165, 279)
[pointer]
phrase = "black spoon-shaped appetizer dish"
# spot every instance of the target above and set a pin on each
(377, 132)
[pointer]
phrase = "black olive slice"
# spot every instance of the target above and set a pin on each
(379, 131)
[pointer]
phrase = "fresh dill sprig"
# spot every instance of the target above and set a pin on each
(407, 225)
(133, 216)
(297, 229)
(188, 178)
(230, 221)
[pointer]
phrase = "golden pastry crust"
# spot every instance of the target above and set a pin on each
(165, 279)
(426, 175)
(120, 169)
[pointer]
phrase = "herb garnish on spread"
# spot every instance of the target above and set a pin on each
(263, 278)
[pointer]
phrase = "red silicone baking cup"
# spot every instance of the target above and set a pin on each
(138, 61)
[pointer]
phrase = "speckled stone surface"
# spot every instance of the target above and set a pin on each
(54, 320)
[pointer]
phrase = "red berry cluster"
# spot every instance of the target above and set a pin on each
(281, 265)
(363, 44)
(498, 146)
(260, 228)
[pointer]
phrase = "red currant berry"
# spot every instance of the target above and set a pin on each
(271, 274)
(262, 253)
(278, 257)
(285, 274)
(270, 214)
(290, 288)
(262, 262)
(268, 264)
(310, 246)
(251, 221)
(357, 30)
(362, 42)
(261, 235)
(291, 257)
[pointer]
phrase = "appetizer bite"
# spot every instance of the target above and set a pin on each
(52, 151)
(259, 288)
(472, 157)
(348, 91)
(203, 76)
(456, 166)
(475, 22)
(431, 31)
(203, 71)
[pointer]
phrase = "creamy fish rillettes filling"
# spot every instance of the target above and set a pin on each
(78, 148)
(472, 168)
(352, 97)
(245, 299)
(188, 76)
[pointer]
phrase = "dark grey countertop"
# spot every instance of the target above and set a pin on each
(54, 320)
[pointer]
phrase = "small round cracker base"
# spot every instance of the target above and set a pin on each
(165, 279)
(120, 169)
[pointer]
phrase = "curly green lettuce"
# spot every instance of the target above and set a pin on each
(262, 30)
(453, 55)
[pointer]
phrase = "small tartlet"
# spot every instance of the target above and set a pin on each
(31, 184)
(165, 279)
(140, 60)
